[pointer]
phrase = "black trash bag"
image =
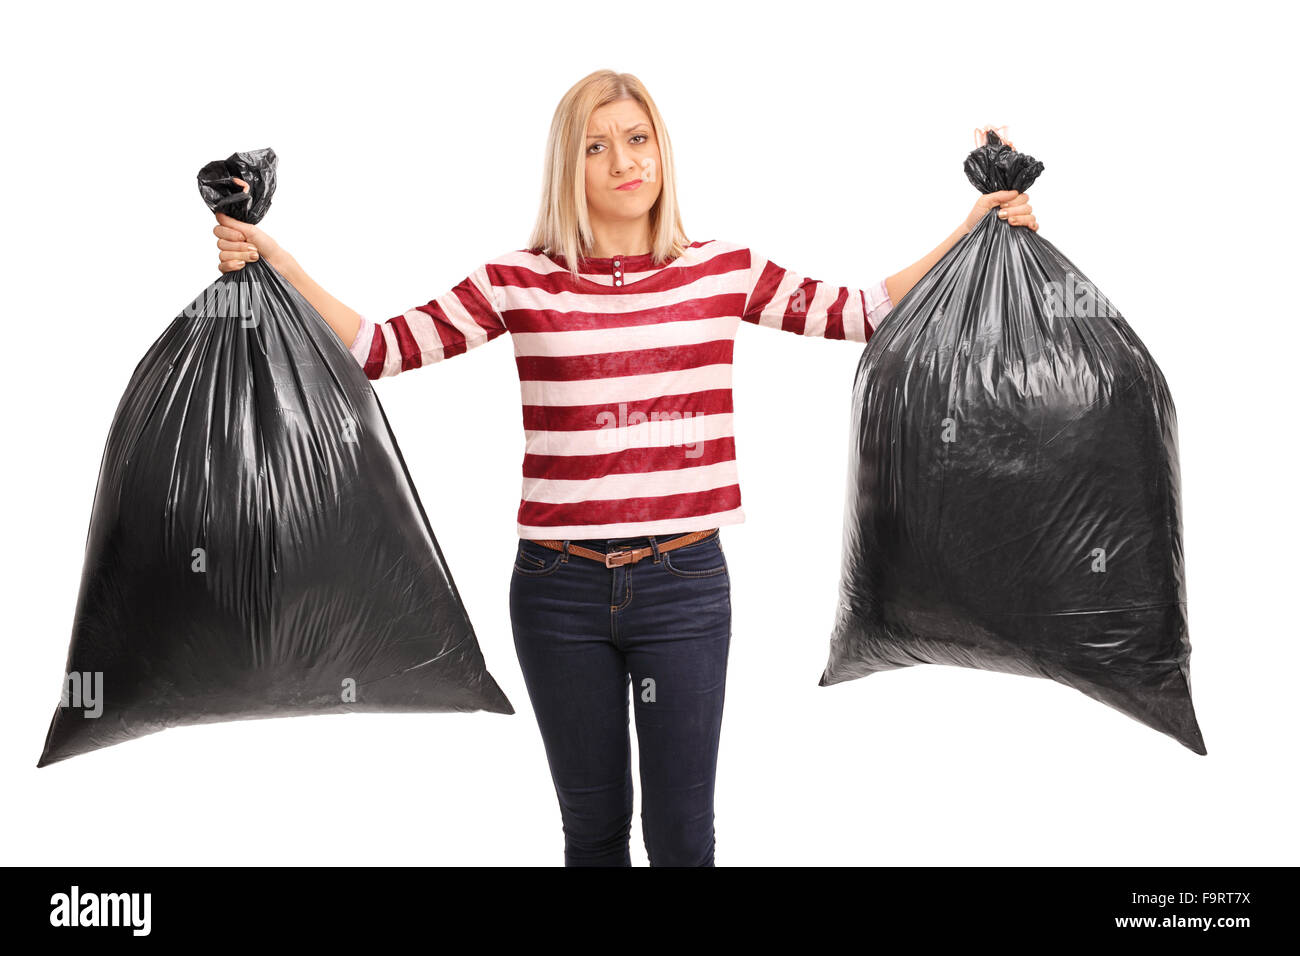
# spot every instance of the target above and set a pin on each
(257, 547)
(1013, 495)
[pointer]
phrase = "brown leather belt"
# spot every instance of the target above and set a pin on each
(613, 559)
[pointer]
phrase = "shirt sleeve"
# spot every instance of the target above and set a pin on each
(457, 321)
(795, 303)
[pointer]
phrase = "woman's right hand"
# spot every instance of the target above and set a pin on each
(241, 242)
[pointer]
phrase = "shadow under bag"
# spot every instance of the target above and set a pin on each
(257, 547)
(1013, 493)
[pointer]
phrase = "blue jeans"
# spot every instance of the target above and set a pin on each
(585, 634)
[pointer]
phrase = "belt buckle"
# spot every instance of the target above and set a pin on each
(618, 558)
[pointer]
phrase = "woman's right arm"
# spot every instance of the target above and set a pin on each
(242, 242)
(457, 321)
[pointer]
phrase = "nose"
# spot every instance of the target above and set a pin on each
(622, 161)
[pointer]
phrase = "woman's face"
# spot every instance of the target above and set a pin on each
(621, 152)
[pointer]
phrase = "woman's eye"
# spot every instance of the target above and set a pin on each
(644, 137)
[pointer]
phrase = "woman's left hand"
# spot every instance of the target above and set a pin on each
(1012, 206)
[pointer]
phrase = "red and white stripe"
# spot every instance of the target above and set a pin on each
(624, 374)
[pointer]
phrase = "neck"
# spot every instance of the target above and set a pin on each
(611, 239)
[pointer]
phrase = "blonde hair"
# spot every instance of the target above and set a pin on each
(562, 225)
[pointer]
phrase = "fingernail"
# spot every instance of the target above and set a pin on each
(252, 256)
(1002, 214)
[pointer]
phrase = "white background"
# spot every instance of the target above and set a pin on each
(827, 137)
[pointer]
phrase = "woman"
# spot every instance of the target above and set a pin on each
(623, 331)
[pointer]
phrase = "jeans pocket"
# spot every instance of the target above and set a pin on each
(535, 559)
(699, 560)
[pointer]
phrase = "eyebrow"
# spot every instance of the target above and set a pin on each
(635, 126)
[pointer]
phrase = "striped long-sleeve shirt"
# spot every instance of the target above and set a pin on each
(624, 373)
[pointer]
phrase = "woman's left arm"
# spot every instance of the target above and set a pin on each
(1013, 207)
(782, 299)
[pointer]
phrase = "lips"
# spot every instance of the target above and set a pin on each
(634, 184)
